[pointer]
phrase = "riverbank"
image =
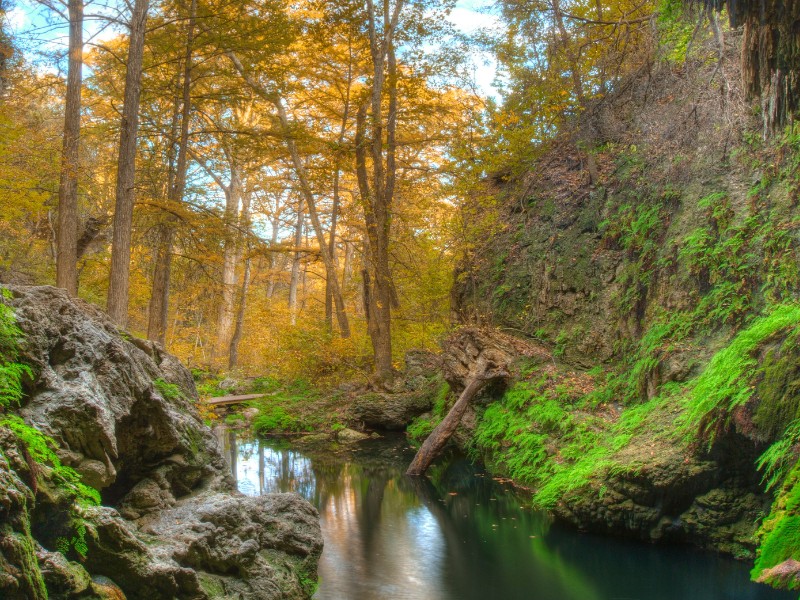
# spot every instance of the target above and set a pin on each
(662, 470)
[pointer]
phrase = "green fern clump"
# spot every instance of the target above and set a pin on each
(42, 450)
(169, 391)
(727, 381)
(11, 371)
(422, 426)
(780, 531)
(540, 437)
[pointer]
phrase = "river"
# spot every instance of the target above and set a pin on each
(461, 535)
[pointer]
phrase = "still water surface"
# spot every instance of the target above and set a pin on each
(460, 535)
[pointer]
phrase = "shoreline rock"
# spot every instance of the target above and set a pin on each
(172, 524)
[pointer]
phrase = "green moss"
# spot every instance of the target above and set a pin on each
(780, 532)
(727, 381)
(168, 391)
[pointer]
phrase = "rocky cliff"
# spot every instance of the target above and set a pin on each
(665, 285)
(109, 418)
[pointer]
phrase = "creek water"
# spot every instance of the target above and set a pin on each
(458, 534)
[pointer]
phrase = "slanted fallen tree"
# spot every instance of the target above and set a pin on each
(472, 358)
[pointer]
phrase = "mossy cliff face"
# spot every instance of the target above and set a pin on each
(667, 290)
(111, 484)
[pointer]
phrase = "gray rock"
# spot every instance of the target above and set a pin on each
(350, 436)
(178, 529)
(389, 411)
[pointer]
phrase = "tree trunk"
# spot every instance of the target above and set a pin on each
(330, 267)
(159, 298)
(433, 445)
(347, 267)
(294, 281)
(233, 196)
(126, 171)
(276, 223)
(377, 188)
(244, 223)
(67, 242)
(233, 357)
(336, 200)
(159, 295)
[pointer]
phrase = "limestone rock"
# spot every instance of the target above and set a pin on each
(350, 436)
(173, 525)
(389, 411)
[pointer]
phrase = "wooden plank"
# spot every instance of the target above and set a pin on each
(227, 400)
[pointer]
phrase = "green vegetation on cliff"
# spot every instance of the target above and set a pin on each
(11, 372)
(666, 284)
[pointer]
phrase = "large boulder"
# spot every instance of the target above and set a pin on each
(172, 524)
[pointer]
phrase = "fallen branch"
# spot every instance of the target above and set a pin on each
(485, 370)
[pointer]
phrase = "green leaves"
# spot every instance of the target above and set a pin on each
(11, 372)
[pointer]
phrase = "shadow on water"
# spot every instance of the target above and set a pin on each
(460, 535)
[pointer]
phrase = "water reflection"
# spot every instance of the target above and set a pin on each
(459, 535)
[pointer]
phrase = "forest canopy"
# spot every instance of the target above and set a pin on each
(289, 187)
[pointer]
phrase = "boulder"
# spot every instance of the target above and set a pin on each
(172, 524)
(383, 410)
(350, 436)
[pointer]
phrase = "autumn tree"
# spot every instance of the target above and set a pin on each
(67, 237)
(117, 303)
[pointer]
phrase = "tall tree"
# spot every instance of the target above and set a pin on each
(159, 297)
(377, 185)
(287, 133)
(67, 237)
(119, 279)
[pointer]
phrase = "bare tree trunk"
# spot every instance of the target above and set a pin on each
(347, 267)
(233, 358)
(441, 434)
(233, 196)
(294, 281)
(159, 294)
(336, 200)
(67, 247)
(272, 262)
(233, 355)
(126, 171)
(159, 298)
(377, 189)
(330, 267)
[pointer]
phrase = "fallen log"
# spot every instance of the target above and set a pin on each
(471, 359)
(485, 371)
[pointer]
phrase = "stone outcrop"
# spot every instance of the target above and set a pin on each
(411, 396)
(172, 524)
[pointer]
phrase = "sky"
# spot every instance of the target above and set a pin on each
(27, 22)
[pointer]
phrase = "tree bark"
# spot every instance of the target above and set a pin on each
(233, 196)
(233, 355)
(377, 188)
(67, 241)
(159, 294)
(119, 281)
(271, 280)
(159, 297)
(294, 280)
(330, 267)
